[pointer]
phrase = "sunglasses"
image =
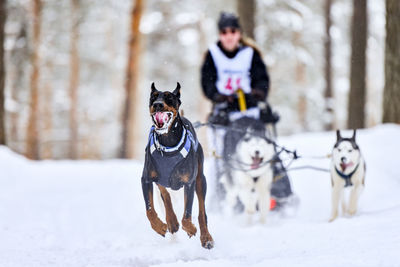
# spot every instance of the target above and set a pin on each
(229, 30)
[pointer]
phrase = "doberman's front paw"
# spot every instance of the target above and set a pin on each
(156, 223)
(189, 227)
(207, 241)
(159, 227)
(173, 225)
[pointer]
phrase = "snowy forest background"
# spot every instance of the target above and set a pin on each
(79, 52)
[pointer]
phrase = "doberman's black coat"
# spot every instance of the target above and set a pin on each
(174, 159)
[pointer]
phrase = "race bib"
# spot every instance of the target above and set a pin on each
(231, 82)
(232, 73)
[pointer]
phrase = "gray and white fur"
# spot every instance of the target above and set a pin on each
(347, 174)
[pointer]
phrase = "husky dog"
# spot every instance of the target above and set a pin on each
(248, 156)
(347, 172)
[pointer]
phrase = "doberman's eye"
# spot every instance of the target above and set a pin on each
(153, 97)
(169, 100)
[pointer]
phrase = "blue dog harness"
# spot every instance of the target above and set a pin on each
(187, 138)
(170, 160)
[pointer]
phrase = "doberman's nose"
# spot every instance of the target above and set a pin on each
(158, 105)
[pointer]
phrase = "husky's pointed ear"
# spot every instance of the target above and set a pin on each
(153, 88)
(338, 136)
(177, 90)
(354, 135)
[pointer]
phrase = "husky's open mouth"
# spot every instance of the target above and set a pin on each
(256, 162)
(162, 120)
(344, 166)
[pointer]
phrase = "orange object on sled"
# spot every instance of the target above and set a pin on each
(272, 204)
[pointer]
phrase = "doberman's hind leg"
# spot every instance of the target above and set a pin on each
(170, 217)
(201, 189)
(155, 222)
(187, 224)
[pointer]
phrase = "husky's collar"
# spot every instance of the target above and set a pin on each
(347, 177)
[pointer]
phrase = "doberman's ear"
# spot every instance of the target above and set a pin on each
(354, 135)
(338, 136)
(153, 88)
(177, 90)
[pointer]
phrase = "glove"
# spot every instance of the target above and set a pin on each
(219, 98)
(258, 94)
(220, 118)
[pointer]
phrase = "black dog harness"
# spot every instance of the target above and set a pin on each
(171, 160)
(347, 177)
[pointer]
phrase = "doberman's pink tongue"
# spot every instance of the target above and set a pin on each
(161, 118)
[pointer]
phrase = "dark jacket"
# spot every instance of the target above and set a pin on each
(258, 76)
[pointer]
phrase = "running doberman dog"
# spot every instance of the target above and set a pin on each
(174, 159)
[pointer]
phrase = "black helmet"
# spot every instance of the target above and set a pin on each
(228, 20)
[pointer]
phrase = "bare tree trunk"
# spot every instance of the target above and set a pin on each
(246, 11)
(19, 56)
(328, 68)
(391, 95)
(32, 140)
(131, 81)
(300, 78)
(357, 97)
(204, 105)
(74, 82)
(47, 116)
(3, 13)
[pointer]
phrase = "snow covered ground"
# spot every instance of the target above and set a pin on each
(91, 213)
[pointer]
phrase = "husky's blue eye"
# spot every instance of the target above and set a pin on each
(339, 150)
(246, 139)
(350, 150)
